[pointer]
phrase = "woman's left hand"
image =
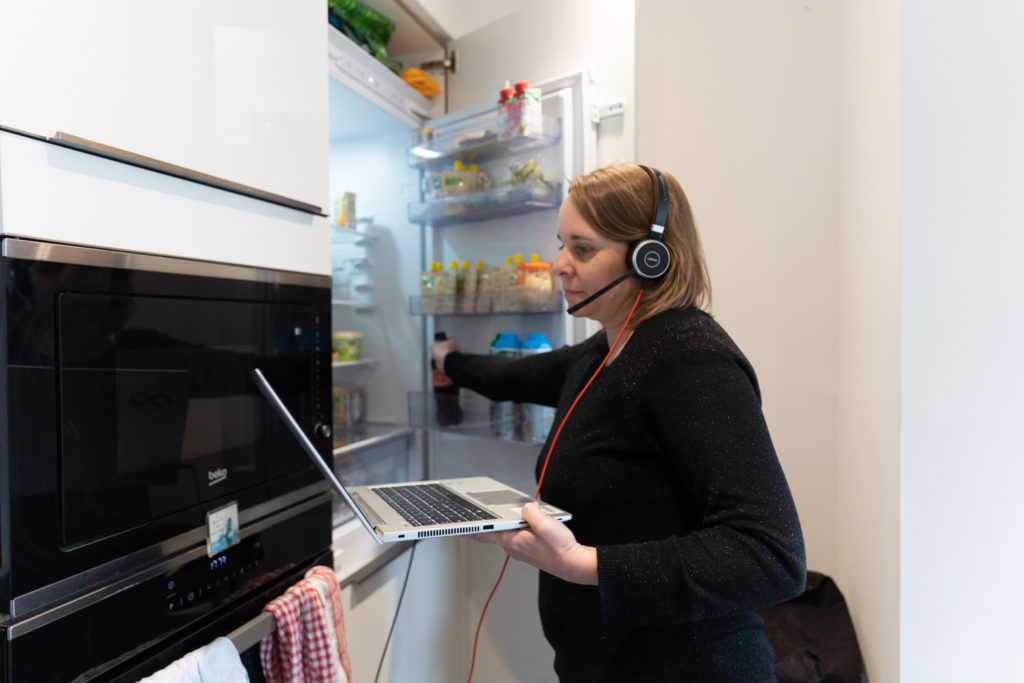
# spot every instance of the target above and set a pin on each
(549, 546)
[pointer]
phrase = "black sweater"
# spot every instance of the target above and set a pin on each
(668, 469)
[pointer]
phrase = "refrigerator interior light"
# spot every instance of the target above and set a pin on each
(425, 153)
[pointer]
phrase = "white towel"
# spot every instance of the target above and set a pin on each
(217, 662)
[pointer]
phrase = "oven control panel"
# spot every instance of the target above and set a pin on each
(217, 579)
(135, 624)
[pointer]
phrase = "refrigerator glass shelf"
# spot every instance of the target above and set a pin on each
(483, 144)
(354, 363)
(487, 303)
(352, 373)
(370, 453)
(361, 306)
(436, 412)
(358, 437)
(505, 200)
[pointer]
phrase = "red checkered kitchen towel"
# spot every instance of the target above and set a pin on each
(309, 644)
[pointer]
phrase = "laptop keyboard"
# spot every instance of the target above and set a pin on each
(423, 504)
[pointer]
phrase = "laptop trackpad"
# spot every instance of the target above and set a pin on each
(500, 497)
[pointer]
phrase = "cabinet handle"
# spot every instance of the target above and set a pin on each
(99, 149)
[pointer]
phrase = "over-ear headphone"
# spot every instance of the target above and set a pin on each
(649, 258)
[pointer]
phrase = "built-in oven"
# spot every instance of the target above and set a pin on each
(147, 488)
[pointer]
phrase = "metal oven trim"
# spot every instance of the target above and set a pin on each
(17, 629)
(64, 592)
(14, 247)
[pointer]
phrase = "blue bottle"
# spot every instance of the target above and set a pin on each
(446, 393)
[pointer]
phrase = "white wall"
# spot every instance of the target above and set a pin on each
(738, 100)
(783, 124)
(962, 334)
(869, 328)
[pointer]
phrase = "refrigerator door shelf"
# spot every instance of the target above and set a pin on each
(483, 143)
(487, 303)
(481, 418)
(498, 202)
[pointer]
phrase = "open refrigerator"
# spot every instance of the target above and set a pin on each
(390, 156)
(387, 158)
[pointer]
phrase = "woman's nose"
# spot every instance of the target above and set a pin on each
(561, 264)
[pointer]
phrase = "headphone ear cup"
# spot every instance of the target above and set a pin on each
(649, 259)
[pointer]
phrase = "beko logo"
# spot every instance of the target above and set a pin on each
(217, 476)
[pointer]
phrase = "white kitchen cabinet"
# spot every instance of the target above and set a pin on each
(51, 193)
(234, 90)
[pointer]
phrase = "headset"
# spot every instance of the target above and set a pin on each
(648, 258)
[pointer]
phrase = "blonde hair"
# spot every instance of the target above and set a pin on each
(618, 202)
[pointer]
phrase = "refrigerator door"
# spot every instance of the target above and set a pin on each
(573, 151)
(482, 444)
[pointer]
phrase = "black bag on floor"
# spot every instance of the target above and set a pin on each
(813, 636)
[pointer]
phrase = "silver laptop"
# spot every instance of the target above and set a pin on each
(420, 509)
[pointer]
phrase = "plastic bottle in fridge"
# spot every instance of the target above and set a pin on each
(444, 290)
(505, 414)
(535, 420)
(504, 110)
(458, 288)
(428, 290)
(483, 299)
(510, 283)
(446, 393)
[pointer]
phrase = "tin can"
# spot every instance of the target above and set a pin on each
(349, 406)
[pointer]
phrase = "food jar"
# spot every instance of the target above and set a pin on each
(345, 346)
(535, 285)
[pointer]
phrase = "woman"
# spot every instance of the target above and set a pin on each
(683, 523)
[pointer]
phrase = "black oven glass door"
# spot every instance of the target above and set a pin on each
(157, 411)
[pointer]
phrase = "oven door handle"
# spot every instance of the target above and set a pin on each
(99, 149)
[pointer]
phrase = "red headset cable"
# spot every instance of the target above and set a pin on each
(544, 468)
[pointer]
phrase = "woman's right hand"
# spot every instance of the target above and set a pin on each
(440, 349)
